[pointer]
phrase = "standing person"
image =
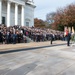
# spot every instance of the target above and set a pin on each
(68, 39)
(73, 39)
(51, 38)
(68, 36)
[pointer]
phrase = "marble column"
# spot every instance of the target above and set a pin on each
(65, 28)
(8, 14)
(16, 14)
(72, 29)
(69, 28)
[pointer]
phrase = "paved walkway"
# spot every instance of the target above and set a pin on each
(56, 59)
(5, 47)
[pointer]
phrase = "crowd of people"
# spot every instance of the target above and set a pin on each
(18, 34)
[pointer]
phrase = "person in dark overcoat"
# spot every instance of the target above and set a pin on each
(51, 38)
(68, 39)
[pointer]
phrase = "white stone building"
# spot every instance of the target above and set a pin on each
(17, 12)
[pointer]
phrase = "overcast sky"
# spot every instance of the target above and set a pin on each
(46, 6)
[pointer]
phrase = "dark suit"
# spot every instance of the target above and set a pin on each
(68, 39)
(51, 38)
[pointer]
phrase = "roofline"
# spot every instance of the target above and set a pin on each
(30, 3)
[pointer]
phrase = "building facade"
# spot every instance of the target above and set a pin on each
(17, 12)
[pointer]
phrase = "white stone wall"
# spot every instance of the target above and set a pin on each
(29, 15)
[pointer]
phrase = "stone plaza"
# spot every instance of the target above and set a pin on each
(38, 59)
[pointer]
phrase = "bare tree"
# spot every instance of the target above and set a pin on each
(50, 17)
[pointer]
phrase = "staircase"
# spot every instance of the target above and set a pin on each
(28, 39)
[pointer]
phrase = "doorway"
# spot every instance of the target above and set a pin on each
(3, 20)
